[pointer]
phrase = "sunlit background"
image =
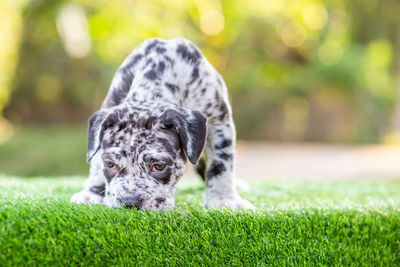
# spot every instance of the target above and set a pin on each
(297, 71)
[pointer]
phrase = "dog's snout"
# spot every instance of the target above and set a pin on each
(131, 202)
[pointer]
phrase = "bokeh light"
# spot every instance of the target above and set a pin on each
(73, 29)
(293, 34)
(212, 22)
(330, 52)
(380, 52)
(315, 16)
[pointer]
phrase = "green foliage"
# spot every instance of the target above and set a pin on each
(332, 62)
(34, 151)
(298, 223)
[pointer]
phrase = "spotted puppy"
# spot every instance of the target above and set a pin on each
(165, 104)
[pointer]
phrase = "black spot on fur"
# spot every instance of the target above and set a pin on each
(152, 45)
(194, 48)
(217, 96)
(142, 147)
(195, 75)
(188, 55)
(140, 122)
(219, 81)
(160, 50)
(148, 62)
(111, 120)
(223, 108)
(169, 60)
(224, 111)
(161, 66)
(150, 123)
(203, 91)
(225, 156)
(120, 91)
(185, 94)
(223, 144)
(122, 126)
(127, 77)
(172, 87)
(151, 75)
(117, 96)
(123, 172)
(98, 189)
(133, 62)
(160, 200)
(216, 169)
(107, 143)
(166, 144)
(171, 144)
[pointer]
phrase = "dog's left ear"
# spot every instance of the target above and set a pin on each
(191, 127)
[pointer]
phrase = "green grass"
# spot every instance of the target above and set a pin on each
(297, 223)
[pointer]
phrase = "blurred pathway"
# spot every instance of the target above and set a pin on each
(258, 160)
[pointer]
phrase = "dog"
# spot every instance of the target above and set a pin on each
(166, 104)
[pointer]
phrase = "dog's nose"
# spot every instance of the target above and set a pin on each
(130, 202)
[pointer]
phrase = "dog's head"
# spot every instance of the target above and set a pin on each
(143, 152)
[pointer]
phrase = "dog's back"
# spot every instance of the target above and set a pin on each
(172, 71)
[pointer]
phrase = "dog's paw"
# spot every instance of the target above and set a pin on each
(86, 197)
(228, 202)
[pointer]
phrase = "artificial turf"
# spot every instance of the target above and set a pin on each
(297, 223)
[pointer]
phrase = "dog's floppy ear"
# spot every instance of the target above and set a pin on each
(191, 128)
(98, 122)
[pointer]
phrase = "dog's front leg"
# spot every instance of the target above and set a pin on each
(94, 186)
(220, 184)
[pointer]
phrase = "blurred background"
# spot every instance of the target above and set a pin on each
(298, 72)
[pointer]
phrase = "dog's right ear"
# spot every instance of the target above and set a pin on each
(98, 122)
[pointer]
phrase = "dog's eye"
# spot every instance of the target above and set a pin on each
(111, 165)
(158, 167)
